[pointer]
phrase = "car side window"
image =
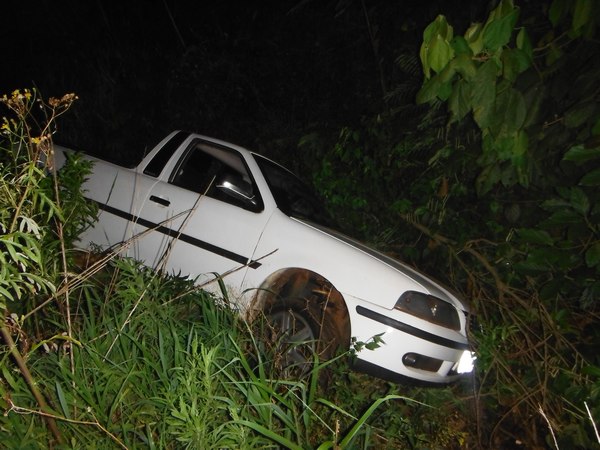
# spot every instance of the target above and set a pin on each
(155, 167)
(217, 172)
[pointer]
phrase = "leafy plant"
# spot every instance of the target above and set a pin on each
(488, 73)
(491, 186)
(33, 227)
(539, 260)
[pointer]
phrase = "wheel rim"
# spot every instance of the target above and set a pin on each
(295, 343)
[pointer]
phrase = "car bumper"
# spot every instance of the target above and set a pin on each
(407, 350)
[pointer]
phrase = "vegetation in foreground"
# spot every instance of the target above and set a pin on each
(155, 363)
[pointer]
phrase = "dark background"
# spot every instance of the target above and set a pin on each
(258, 73)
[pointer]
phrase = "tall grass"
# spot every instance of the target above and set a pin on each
(184, 372)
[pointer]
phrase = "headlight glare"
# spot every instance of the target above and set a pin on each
(466, 363)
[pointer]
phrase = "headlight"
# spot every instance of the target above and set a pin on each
(466, 363)
(429, 308)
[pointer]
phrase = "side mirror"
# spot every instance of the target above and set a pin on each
(237, 188)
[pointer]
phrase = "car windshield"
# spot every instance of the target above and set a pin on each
(293, 197)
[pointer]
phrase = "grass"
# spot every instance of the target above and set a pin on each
(159, 364)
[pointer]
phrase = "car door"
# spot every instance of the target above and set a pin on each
(204, 219)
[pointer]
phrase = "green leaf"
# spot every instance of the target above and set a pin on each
(428, 91)
(532, 266)
(524, 44)
(347, 440)
(554, 54)
(63, 401)
(10, 379)
(9, 246)
(579, 154)
(5, 295)
(438, 86)
(580, 113)
(591, 370)
(270, 434)
(519, 151)
(445, 91)
(534, 99)
(448, 73)
(484, 93)
(551, 289)
(439, 54)
(438, 27)
(487, 178)
(503, 147)
(557, 11)
(514, 62)
(561, 218)
(431, 30)
(590, 295)
(596, 128)
(435, 51)
(459, 101)
(532, 236)
(592, 255)
(581, 14)
(461, 46)
(497, 33)
(591, 178)
(423, 55)
(564, 192)
(579, 201)
(464, 65)
(510, 110)
(474, 38)
(549, 256)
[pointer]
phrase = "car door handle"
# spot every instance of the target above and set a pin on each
(160, 201)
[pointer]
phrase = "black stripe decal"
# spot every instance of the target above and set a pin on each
(421, 334)
(180, 236)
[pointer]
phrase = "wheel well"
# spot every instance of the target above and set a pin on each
(324, 302)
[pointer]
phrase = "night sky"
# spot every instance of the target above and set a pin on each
(250, 72)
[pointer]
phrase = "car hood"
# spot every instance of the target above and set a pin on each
(427, 284)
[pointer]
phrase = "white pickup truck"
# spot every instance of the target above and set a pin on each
(198, 206)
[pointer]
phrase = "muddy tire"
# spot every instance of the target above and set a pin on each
(303, 319)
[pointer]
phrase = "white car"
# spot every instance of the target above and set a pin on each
(200, 206)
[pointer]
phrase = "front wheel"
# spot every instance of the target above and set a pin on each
(293, 338)
(304, 319)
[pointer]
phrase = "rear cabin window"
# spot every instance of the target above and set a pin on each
(160, 160)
